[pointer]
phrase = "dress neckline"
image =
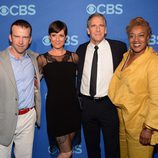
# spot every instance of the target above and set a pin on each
(58, 55)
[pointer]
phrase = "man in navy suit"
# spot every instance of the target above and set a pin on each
(98, 112)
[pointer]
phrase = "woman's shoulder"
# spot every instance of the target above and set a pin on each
(74, 56)
(42, 59)
(152, 60)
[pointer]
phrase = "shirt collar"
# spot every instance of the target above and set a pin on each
(100, 45)
(23, 57)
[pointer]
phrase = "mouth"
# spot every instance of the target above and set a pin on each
(136, 45)
(20, 46)
(57, 43)
(98, 34)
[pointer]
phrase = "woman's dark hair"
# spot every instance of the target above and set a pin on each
(57, 26)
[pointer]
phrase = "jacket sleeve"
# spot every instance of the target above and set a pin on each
(152, 103)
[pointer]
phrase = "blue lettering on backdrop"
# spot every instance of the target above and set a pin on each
(74, 13)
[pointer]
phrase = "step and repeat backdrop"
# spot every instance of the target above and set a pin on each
(40, 13)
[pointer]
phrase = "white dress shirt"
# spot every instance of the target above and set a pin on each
(104, 69)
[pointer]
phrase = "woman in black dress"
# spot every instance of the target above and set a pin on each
(62, 108)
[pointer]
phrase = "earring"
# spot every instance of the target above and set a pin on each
(130, 50)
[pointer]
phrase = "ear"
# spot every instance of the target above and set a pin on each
(88, 32)
(10, 38)
(148, 39)
(49, 37)
(66, 37)
(30, 40)
(105, 30)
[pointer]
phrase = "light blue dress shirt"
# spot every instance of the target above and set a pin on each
(24, 75)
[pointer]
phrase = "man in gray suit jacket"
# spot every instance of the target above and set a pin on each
(19, 93)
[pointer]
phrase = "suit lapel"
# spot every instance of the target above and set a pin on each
(114, 56)
(37, 79)
(5, 60)
(82, 56)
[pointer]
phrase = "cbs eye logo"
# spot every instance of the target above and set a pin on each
(91, 8)
(4, 10)
(46, 41)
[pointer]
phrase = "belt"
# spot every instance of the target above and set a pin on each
(97, 99)
(24, 111)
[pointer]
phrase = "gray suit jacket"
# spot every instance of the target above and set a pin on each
(9, 97)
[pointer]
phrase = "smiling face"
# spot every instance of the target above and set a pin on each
(57, 39)
(96, 29)
(138, 39)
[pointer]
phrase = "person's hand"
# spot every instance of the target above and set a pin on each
(145, 136)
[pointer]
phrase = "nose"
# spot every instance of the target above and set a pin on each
(21, 40)
(57, 38)
(97, 28)
(136, 38)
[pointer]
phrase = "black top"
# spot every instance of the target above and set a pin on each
(62, 107)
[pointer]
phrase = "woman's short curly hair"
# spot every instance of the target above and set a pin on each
(139, 21)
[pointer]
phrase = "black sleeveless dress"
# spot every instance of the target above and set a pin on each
(62, 107)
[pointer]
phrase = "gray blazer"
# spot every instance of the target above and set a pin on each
(9, 97)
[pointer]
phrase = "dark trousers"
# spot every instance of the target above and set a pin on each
(100, 115)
